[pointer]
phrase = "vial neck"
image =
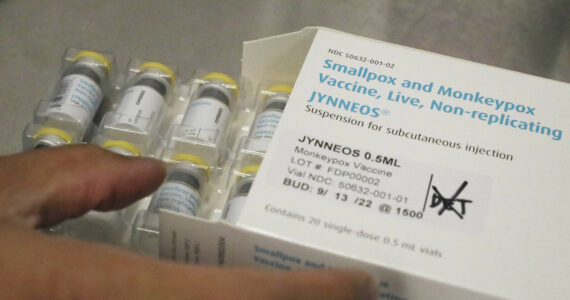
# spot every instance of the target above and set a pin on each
(185, 178)
(277, 101)
(214, 92)
(85, 71)
(153, 83)
(243, 186)
(280, 106)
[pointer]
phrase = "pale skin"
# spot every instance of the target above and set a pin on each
(46, 186)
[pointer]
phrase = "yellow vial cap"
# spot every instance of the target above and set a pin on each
(162, 67)
(223, 78)
(95, 55)
(122, 144)
(249, 169)
(54, 131)
(193, 159)
(281, 88)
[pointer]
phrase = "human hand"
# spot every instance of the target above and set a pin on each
(47, 186)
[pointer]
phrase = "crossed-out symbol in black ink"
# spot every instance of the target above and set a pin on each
(447, 203)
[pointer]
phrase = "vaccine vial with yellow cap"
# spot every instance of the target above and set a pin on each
(79, 93)
(206, 117)
(266, 122)
(182, 191)
(145, 99)
(238, 196)
(132, 128)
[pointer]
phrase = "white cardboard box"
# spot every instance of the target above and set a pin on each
(415, 177)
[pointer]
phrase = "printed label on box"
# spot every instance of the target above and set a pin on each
(379, 184)
(443, 178)
(411, 159)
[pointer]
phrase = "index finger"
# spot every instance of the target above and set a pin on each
(45, 186)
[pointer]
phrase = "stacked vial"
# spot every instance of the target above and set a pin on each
(69, 113)
(182, 190)
(267, 120)
(132, 129)
(239, 194)
(206, 117)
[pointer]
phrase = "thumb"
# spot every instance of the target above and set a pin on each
(238, 283)
(327, 284)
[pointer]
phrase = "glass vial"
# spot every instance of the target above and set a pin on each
(145, 98)
(77, 97)
(182, 189)
(266, 122)
(206, 117)
(141, 104)
(237, 200)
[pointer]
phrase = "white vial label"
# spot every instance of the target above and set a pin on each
(139, 106)
(205, 120)
(77, 97)
(178, 197)
(263, 130)
(233, 209)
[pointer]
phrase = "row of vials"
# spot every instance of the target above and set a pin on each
(213, 136)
